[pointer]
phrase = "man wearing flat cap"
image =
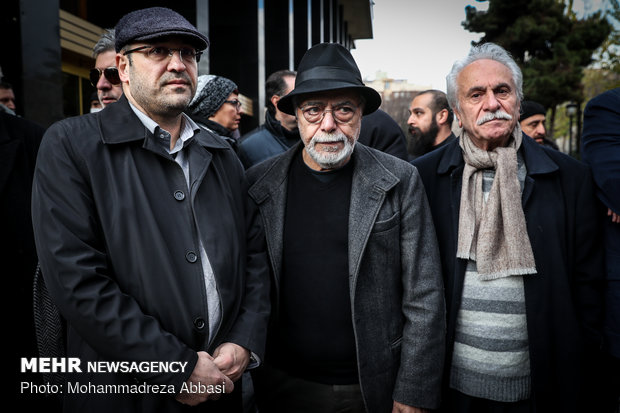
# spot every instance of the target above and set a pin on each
(148, 243)
(358, 314)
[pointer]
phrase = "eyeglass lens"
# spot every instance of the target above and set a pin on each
(110, 73)
(236, 103)
(159, 53)
(315, 113)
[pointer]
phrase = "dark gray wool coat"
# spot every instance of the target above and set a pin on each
(394, 275)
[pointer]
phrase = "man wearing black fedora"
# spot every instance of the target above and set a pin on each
(357, 310)
(148, 242)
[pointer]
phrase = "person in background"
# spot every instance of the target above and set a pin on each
(216, 106)
(520, 242)
(148, 242)
(430, 122)
(7, 97)
(95, 103)
(358, 313)
(601, 150)
(381, 132)
(104, 76)
(19, 143)
(279, 132)
(532, 120)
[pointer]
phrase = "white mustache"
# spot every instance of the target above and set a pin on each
(328, 137)
(499, 114)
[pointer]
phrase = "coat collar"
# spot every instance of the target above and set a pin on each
(369, 173)
(272, 179)
(370, 183)
(118, 124)
(370, 186)
(536, 159)
(367, 170)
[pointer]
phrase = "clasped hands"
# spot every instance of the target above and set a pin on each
(214, 375)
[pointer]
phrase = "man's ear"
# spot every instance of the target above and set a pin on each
(122, 64)
(274, 100)
(441, 117)
(458, 117)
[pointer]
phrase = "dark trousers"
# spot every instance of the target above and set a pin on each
(278, 392)
(457, 402)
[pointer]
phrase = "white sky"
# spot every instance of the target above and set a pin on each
(419, 40)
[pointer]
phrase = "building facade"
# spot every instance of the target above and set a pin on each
(50, 44)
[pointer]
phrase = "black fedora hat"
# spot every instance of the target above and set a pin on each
(329, 66)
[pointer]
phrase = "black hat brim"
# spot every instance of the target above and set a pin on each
(372, 98)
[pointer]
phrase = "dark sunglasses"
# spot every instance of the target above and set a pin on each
(110, 73)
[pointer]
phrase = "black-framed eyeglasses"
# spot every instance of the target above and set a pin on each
(235, 102)
(160, 53)
(314, 113)
(110, 73)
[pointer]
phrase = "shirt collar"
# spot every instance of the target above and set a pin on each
(188, 129)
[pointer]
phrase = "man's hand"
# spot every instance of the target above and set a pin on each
(403, 408)
(231, 359)
(204, 379)
(615, 218)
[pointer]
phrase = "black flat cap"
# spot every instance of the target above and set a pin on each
(325, 67)
(155, 23)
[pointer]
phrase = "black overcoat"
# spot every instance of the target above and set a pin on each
(564, 300)
(115, 230)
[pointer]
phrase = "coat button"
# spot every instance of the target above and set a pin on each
(179, 195)
(199, 323)
(191, 256)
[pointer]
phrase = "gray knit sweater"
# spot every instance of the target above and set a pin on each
(491, 354)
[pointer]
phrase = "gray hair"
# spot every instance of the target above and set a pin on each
(105, 43)
(484, 51)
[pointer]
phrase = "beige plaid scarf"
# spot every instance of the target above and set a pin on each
(493, 233)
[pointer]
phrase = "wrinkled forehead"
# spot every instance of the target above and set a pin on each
(484, 73)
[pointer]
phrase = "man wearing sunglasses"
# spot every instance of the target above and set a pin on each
(358, 313)
(104, 76)
(148, 243)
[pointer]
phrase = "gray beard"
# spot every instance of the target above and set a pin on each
(330, 160)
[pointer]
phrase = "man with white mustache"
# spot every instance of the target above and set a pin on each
(499, 115)
(519, 235)
(357, 306)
